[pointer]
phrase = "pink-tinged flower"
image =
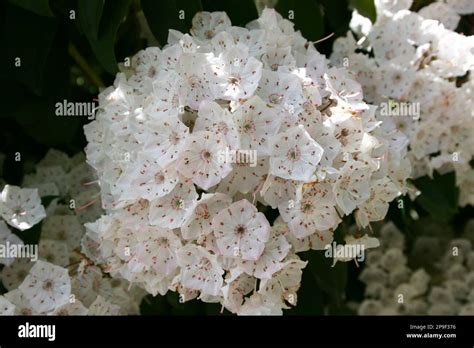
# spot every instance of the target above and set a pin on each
(295, 155)
(200, 270)
(241, 231)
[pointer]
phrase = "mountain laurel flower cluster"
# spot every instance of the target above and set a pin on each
(442, 285)
(56, 276)
(418, 70)
(195, 140)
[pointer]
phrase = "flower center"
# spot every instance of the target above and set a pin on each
(294, 154)
(174, 138)
(306, 207)
(152, 71)
(202, 212)
(194, 81)
(233, 80)
(222, 128)
(48, 285)
(240, 229)
(308, 107)
(177, 203)
(275, 98)
(249, 126)
(162, 241)
(159, 178)
(18, 211)
(206, 155)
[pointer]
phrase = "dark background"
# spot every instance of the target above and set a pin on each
(73, 58)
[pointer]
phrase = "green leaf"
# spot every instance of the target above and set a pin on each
(365, 7)
(240, 12)
(439, 196)
(40, 7)
(89, 15)
(171, 14)
(26, 40)
(331, 280)
(99, 20)
(310, 297)
(154, 305)
(38, 119)
(337, 16)
(306, 14)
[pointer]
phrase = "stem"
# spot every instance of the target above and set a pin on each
(90, 74)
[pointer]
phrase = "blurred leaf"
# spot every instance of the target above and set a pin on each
(99, 21)
(439, 196)
(310, 297)
(40, 7)
(38, 119)
(306, 14)
(365, 7)
(30, 236)
(26, 40)
(240, 12)
(164, 15)
(331, 280)
(154, 305)
(398, 213)
(89, 15)
(337, 15)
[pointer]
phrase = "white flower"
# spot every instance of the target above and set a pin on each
(6, 307)
(21, 302)
(238, 285)
(201, 161)
(199, 223)
(53, 251)
(258, 304)
(313, 213)
(163, 140)
(200, 270)
(103, 307)
(156, 249)
(295, 155)
(241, 231)
(47, 286)
(65, 228)
(441, 12)
(214, 118)
(375, 208)
(207, 24)
(352, 187)
(75, 308)
(285, 283)
(240, 73)
(197, 79)
(276, 191)
(21, 208)
(282, 91)
(13, 275)
(172, 210)
(8, 239)
(257, 124)
(269, 262)
(147, 179)
(247, 175)
(147, 62)
(344, 90)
